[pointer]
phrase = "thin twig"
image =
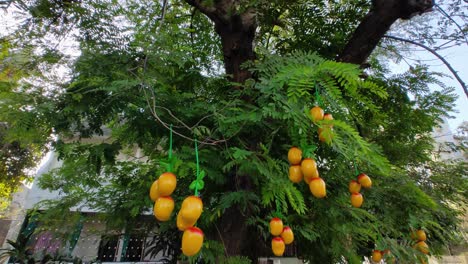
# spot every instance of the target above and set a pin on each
(451, 69)
(453, 21)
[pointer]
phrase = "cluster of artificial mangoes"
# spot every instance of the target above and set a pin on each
(355, 187)
(190, 211)
(160, 193)
(421, 245)
(282, 236)
(305, 169)
(325, 132)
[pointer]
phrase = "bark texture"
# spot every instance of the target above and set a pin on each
(237, 32)
(377, 22)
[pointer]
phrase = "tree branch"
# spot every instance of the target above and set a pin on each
(376, 23)
(451, 69)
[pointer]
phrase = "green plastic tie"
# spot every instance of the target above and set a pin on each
(317, 95)
(356, 171)
(170, 150)
(198, 167)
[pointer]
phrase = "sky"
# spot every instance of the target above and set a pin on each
(458, 59)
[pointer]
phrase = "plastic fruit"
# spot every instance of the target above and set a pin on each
(364, 180)
(295, 173)
(316, 113)
(163, 208)
(325, 134)
(356, 199)
(376, 256)
(327, 116)
(423, 247)
(192, 241)
(167, 183)
(309, 168)
(287, 235)
(354, 186)
(191, 209)
(421, 235)
(278, 247)
(294, 156)
(276, 226)
(317, 187)
(154, 192)
(182, 224)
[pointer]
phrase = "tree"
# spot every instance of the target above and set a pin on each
(143, 67)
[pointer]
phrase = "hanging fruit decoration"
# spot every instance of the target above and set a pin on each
(356, 199)
(325, 132)
(364, 180)
(295, 173)
(309, 169)
(376, 256)
(192, 241)
(354, 187)
(328, 117)
(317, 187)
(295, 155)
(422, 247)
(287, 235)
(282, 235)
(162, 188)
(163, 208)
(191, 209)
(154, 192)
(421, 235)
(316, 113)
(167, 183)
(276, 226)
(182, 224)
(278, 247)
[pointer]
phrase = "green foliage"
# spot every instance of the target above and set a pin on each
(132, 80)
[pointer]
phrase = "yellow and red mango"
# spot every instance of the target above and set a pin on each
(191, 209)
(192, 241)
(294, 155)
(276, 226)
(376, 256)
(154, 192)
(287, 235)
(163, 208)
(167, 183)
(422, 247)
(364, 180)
(182, 224)
(295, 173)
(309, 169)
(356, 199)
(421, 235)
(277, 246)
(316, 113)
(317, 187)
(354, 186)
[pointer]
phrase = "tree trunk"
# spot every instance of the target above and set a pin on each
(237, 42)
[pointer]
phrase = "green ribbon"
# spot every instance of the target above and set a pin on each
(170, 149)
(356, 171)
(198, 167)
(317, 95)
